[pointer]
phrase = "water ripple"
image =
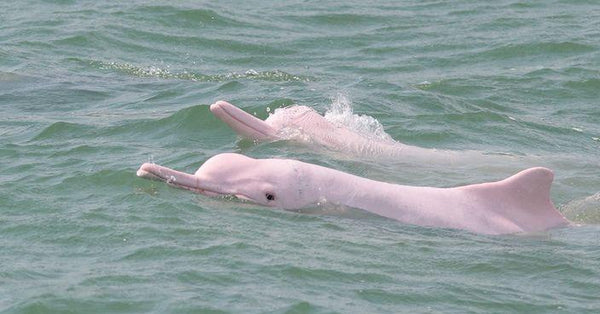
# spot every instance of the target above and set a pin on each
(166, 73)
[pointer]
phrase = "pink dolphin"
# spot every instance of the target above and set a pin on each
(520, 203)
(305, 125)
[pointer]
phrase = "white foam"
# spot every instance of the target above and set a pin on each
(586, 210)
(340, 113)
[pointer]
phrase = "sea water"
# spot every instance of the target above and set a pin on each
(89, 90)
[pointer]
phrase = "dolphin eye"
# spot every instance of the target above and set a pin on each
(270, 196)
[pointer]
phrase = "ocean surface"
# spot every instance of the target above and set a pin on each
(90, 90)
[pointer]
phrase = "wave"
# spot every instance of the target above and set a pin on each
(62, 130)
(193, 120)
(524, 50)
(165, 72)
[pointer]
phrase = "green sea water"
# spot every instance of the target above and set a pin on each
(89, 90)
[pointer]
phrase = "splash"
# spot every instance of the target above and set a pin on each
(340, 113)
(585, 210)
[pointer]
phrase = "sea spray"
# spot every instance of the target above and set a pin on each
(340, 113)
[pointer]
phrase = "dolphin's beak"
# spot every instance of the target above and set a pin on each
(178, 179)
(242, 122)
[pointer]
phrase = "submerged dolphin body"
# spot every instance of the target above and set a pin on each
(520, 203)
(303, 124)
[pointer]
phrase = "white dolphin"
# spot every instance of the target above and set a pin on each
(520, 203)
(303, 124)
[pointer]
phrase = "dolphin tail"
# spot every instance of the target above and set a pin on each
(242, 122)
(523, 199)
